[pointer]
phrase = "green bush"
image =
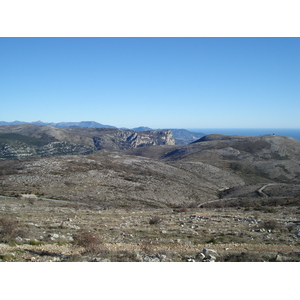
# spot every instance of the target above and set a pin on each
(6, 257)
(35, 243)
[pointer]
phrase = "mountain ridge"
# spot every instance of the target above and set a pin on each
(29, 140)
(181, 136)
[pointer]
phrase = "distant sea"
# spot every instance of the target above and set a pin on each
(294, 133)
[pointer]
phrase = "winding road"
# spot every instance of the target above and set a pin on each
(260, 191)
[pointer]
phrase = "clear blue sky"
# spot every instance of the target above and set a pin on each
(155, 82)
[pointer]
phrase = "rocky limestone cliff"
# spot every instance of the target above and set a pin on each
(128, 139)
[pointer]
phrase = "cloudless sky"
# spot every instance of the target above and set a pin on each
(155, 82)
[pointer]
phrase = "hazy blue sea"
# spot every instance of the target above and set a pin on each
(294, 133)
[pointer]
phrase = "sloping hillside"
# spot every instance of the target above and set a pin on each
(268, 157)
(23, 141)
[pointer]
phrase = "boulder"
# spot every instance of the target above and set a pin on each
(200, 256)
(190, 259)
(209, 252)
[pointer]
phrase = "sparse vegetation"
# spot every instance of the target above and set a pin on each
(126, 235)
(154, 204)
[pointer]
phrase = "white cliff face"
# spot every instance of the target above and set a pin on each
(128, 139)
(153, 138)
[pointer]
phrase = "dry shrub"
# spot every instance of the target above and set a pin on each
(271, 224)
(155, 220)
(88, 239)
(8, 229)
(181, 209)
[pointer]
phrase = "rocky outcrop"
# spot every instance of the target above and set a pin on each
(128, 139)
(181, 136)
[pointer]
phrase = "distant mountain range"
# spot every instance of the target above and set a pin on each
(61, 124)
(181, 136)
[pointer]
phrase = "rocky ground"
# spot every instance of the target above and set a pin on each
(41, 230)
(115, 180)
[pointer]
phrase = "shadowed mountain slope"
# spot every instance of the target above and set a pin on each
(253, 158)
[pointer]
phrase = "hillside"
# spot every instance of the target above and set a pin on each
(236, 195)
(146, 167)
(27, 140)
(254, 158)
